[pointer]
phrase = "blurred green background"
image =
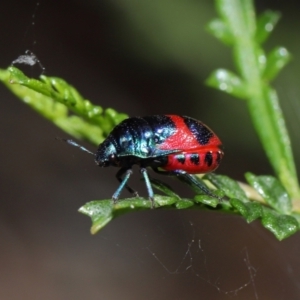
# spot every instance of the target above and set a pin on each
(140, 58)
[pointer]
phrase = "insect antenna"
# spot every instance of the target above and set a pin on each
(72, 143)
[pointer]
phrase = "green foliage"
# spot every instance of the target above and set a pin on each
(55, 99)
(276, 217)
(238, 27)
(273, 201)
(272, 192)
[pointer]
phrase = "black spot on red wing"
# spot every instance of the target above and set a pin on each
(180, 158)
(199, 130)
(195, 159)
(208, 158)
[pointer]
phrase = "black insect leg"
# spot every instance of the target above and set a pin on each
(192, 179)
(189, 179)
(149, 186)
(123, 183)
(168, 173)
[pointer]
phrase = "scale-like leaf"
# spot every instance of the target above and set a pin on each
(282, 226)
(163, 187)
(184, 203)
(272, 191)
(250, 210)
(277, 59)
(100, 212)
(265, 25)
(229, 186)
(228, 82)
(220, 30)
(207, 200)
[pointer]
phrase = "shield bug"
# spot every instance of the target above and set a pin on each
(169, 144)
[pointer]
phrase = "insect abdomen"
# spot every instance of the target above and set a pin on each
(195, 161)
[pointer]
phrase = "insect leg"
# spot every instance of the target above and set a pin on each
(193, 180)
(119, 175)
(148, 185)
(189, 179)
(168, 173)
(123, 184)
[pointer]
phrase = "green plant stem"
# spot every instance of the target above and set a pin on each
(262, 101)
(63, 105)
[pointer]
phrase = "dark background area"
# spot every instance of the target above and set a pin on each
(140, 58)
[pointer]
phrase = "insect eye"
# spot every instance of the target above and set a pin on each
(156, 139)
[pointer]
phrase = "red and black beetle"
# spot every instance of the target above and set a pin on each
(169, 144)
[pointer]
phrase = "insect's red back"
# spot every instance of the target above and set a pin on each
(199, 147)
(190, 134)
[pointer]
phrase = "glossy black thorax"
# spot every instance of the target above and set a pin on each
(135, 141)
